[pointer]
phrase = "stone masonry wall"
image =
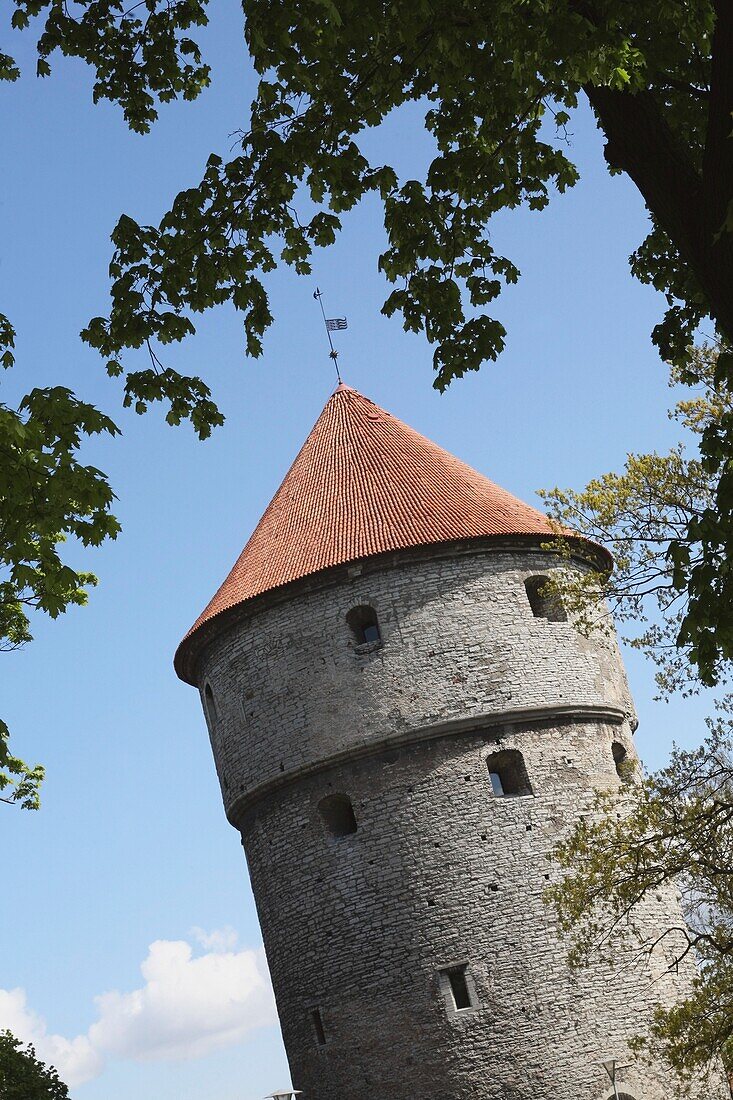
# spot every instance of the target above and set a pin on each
(440, 872)
(459, 642)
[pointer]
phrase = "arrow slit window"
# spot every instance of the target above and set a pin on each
(318, 1028)
(210, 702)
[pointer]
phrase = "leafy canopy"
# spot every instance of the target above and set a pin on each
(673, 828)
(139, 51)
(499, 81)
(141, 56)
(46, 496)
(23, 1077)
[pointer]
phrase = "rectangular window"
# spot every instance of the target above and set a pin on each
(318, 1027)
(460, 994)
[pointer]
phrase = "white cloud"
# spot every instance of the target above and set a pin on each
(75, 1059)
(187, 1007)
(221, 939)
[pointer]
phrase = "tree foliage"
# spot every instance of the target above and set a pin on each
(141, 56)
(23, 1077)
(46, 496)
(673, 828)
(140, 52)
(499, 82)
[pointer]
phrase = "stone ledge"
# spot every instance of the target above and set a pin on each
(453, 728)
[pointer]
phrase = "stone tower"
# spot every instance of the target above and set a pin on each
(403, 727)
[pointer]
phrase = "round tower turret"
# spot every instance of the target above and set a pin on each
(403, 727)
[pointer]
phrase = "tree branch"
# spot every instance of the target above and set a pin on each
(641, 143)
(717, 171)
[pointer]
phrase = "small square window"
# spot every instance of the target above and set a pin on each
(364, 625)
(508, 774)
(543, 601)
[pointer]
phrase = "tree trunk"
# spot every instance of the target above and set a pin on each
(690, 208)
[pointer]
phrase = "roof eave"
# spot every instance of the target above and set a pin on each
(189, 650)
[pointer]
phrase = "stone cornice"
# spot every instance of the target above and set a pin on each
(554, 712)
(193, 647)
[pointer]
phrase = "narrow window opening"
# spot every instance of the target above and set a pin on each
(508, 774)
(544, 604)
(247, 709)
(624, 766)
(317, 1021)
(338, 814)
(364, 624)
(210, 704)
(458, 985)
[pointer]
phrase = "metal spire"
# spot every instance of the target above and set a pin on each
(333, 324)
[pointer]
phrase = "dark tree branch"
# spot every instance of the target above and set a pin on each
(717, 171)
(668, 82)
(641, 143)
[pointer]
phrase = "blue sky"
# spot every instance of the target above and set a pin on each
(131, 848)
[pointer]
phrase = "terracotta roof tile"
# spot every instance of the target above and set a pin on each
(363, 483)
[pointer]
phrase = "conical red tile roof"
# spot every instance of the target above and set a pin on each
(363, 483)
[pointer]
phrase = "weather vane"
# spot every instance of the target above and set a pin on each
(333, 324)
